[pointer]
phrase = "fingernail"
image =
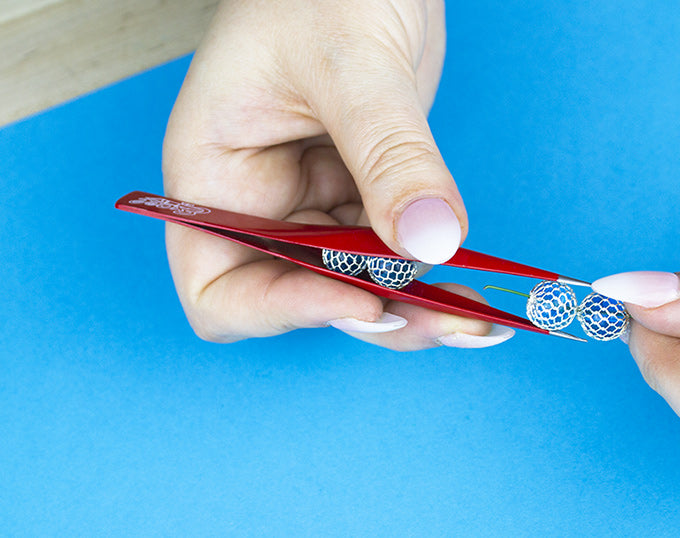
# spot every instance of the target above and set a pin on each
(387, 322)
(429, 230)
(648, 289)
(498, 335)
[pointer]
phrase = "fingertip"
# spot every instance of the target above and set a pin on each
(663, 319)
(429, 230)
(649, 289)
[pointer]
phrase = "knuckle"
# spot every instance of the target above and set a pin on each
(206, 335)
(210, 332)
(396, 152)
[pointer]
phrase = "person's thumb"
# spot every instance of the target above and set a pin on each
(653, 301)
(377, 122)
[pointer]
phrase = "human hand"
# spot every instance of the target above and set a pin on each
(653, 301)
(315, 111)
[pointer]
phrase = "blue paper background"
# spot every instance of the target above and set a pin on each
(560, 122)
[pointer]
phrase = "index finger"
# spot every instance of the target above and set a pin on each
(652, 298)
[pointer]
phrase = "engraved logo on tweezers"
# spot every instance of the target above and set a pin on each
(184, 209)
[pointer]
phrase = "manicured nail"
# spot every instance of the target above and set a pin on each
(498, 335)
(429, 230)
(387, 322)
(648, 289)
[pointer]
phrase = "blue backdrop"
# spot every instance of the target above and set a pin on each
(560, 122)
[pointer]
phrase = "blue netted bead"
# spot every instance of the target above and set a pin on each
(603, 318)
(551, 305)
(343, 262)
(392, 273)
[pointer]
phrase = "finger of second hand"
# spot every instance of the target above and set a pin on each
(658, 357)
(664, 319)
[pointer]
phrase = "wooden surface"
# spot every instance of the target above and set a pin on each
(55, 50)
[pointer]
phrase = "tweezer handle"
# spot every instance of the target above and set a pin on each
(354, 239)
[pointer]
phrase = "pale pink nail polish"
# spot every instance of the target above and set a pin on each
(387, 322)
(429, 230)
(497, 335)
(648, 289)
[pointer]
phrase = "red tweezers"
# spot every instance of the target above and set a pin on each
(302, 244)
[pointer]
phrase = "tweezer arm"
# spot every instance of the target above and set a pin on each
(416, 293)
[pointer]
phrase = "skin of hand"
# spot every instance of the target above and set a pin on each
(313, 111)
(655, 344)
(653, 301)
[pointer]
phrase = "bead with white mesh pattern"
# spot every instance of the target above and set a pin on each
(551, 305)
(343, 262)
(603, 318)
(392, 273)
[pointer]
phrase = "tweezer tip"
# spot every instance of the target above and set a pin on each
(567, 336)
(573, 281)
